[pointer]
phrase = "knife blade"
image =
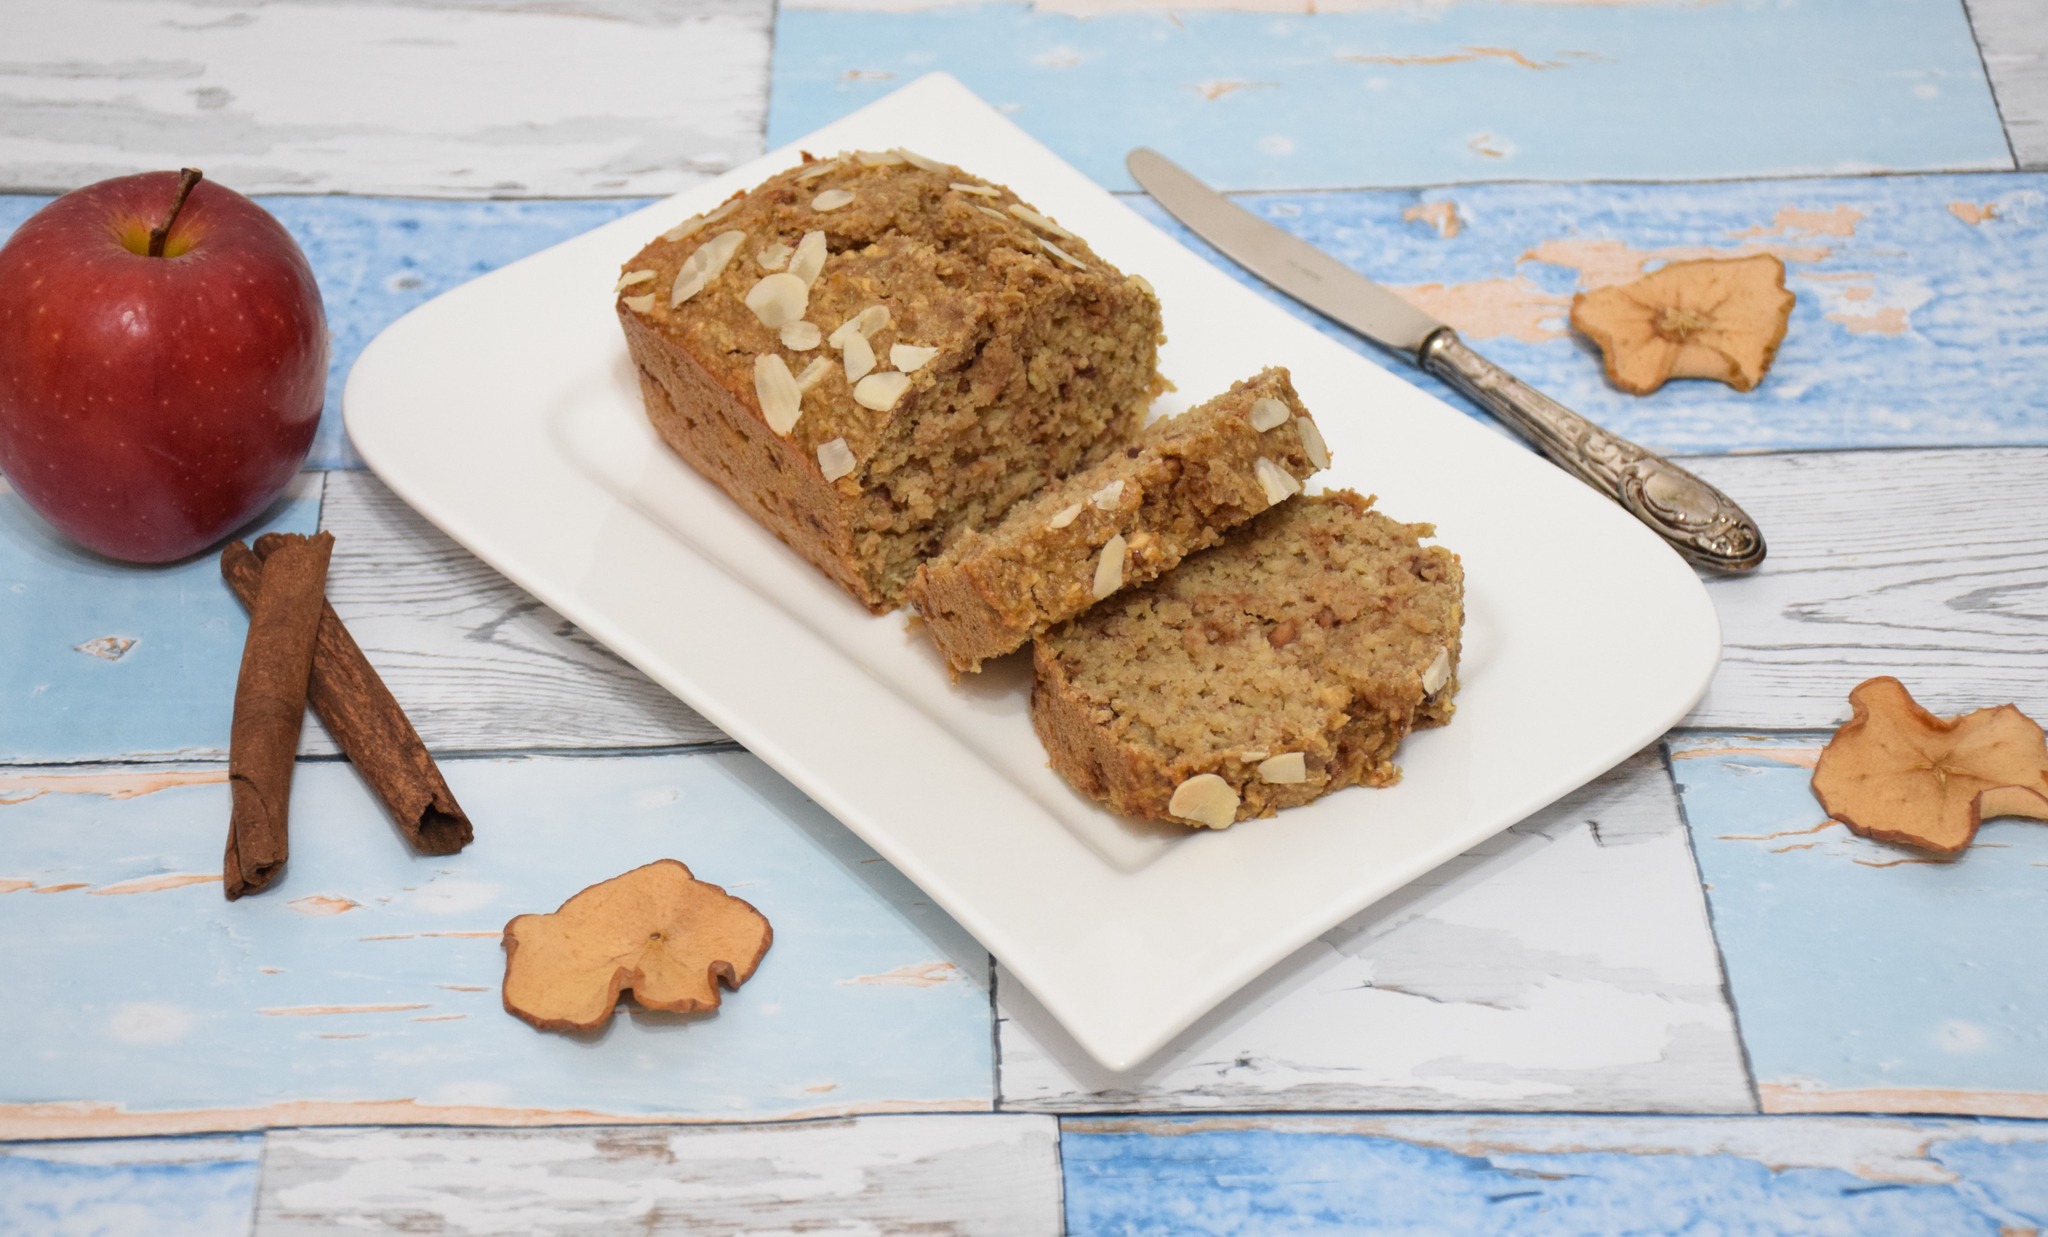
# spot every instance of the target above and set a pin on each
(1694, 518)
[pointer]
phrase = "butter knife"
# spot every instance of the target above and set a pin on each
(1697, 520)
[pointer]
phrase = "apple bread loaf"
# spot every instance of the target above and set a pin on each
(1119, 523)
(874, 352)
(1283, 664)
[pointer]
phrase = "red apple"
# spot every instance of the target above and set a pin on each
(150, 404)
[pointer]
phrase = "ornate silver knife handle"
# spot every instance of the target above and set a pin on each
(1699, 521)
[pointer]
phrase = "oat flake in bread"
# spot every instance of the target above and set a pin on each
(1124, 521)
(1283, 664)
(875, 352)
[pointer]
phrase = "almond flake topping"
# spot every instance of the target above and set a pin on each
(705, 265)
(1144, 285)
(1268, 413)
(630, 278)
(774, 257)
(639, 304)
(858, 355)
(1062, 254)
(1109, 569)
(782, 401)
(1040, 222)
(1064, 516)
(813, 374)
(685, 229)
(881, 391)
(831, 199)
(1275, 480)
(779, 299)
(919, 161)
(835, 459)
(1312, 444)
(993, 213)
(1285, 769)
(1106, 497)
(910, 357)
(810, 257)
(1205, 799)
(865, 323)
(877, 158)
(1438, 673)
(816, 170)
(980, 191)
(801, 336)
(1252, 756)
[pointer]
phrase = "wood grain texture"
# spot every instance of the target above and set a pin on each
(988, 1174)
(1420, 94)
(1568, 1176)
(416, 97)
(139, 1187)
(1868, 977)
(477, 663)
(1928, 565)
(363, 987)
(1566, 964)
(2013, 36)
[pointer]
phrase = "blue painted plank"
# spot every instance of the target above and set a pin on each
(108, 659)
(1500, 1176)
(364, 988)
(1867, 977)
(148, 1187)
(1428, 94)
(1919, 322)
(376, 258)
(1921, 319)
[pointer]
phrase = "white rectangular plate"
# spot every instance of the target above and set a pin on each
(507, 412)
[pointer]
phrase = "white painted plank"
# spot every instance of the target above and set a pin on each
(417, 97)
(477, 663)
(1928, 565)
(2013, 37)
(990, 1174)
(1566, 965)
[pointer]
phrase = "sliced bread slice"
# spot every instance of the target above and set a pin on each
(1126, 520)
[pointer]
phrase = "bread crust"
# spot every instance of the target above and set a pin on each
(720, 433)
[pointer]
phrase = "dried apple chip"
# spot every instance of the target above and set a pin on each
(1710, 318)
(657, 930)
(1898, 773)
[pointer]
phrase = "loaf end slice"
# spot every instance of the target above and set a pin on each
(1286, 663)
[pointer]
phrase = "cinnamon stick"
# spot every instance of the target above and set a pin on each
(366, 722)
(270, 700)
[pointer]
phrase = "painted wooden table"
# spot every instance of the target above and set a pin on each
(1678, 1000)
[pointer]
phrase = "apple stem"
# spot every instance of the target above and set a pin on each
(187, 178)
